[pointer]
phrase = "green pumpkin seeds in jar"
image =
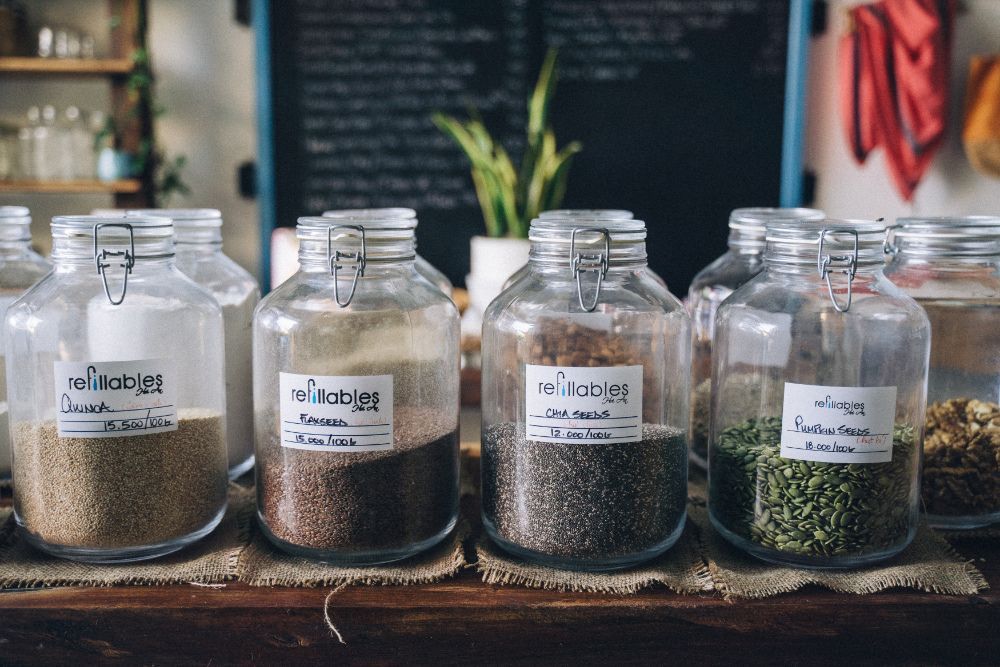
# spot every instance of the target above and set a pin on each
(819, 389)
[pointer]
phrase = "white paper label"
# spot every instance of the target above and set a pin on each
(336, 413)
(570, 404)
(113, 399)
(838, 424)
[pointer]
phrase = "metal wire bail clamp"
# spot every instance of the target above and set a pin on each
(597, 263)
(102, 254)
(888, 243)
(333, 258)
(846, 264)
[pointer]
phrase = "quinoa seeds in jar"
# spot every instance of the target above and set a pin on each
(356, 385)
(585, 369)
(117, 401)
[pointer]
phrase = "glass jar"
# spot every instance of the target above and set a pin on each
(20, 268)
(356, 394)
(951, 266)
(423, 267)
(585, 390)
(709, 288)
(116, 395)
(819, 389)
(198, 244)
(568, 216)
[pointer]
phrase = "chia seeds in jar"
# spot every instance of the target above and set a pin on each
(819, 389)
(117, 402)
(585, 390)
(356, 383)
(199, 256)
(20, 268)
(709, 288)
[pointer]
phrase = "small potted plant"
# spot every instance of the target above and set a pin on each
(510, 198)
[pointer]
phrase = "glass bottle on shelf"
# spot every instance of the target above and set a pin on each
(423, 267)
(79, 145)
(356, 395)
(198, 244)
(585, 390)
(20, 268)
(116, 396)
(819, 389)
(45, 145)
(951, 266)
(63, 141)
(26, 144)
(709, 288)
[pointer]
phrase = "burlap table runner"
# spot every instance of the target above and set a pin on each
(681, 569)
(210, 561)
(929, 564)
(262, 565)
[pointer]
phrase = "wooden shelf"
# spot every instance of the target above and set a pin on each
(88, 67)
(464, 621)
(127, 186)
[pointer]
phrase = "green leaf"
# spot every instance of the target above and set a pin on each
(493, 227)
(458, 132)
(558, 174)
(539, 176)
(538, 104)
(481, 136)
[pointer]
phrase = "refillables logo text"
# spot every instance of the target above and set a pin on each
(95, 381)
(564, 387)
(830, 403)
(316, 395)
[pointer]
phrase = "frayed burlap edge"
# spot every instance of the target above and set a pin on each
(261, 564)
(740, 576)
(211, 561)
(681, 569)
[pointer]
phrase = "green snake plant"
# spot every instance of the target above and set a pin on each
(511, 198)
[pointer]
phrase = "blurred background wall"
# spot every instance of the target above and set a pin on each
(204, 59)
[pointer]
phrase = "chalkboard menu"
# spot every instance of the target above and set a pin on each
(678, 103)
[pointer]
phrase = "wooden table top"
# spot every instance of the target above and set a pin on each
(464, 620)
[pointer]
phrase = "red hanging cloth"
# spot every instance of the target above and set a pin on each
(894, 68)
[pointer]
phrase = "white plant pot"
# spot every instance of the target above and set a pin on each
(492, 262)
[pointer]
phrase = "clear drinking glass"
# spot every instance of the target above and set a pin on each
(818, 395)
(198, 244)
(423, 267)
(20, 268)
(585, 390)
(951, 266)
(116, 396)
(356, 395)
(709, 288)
